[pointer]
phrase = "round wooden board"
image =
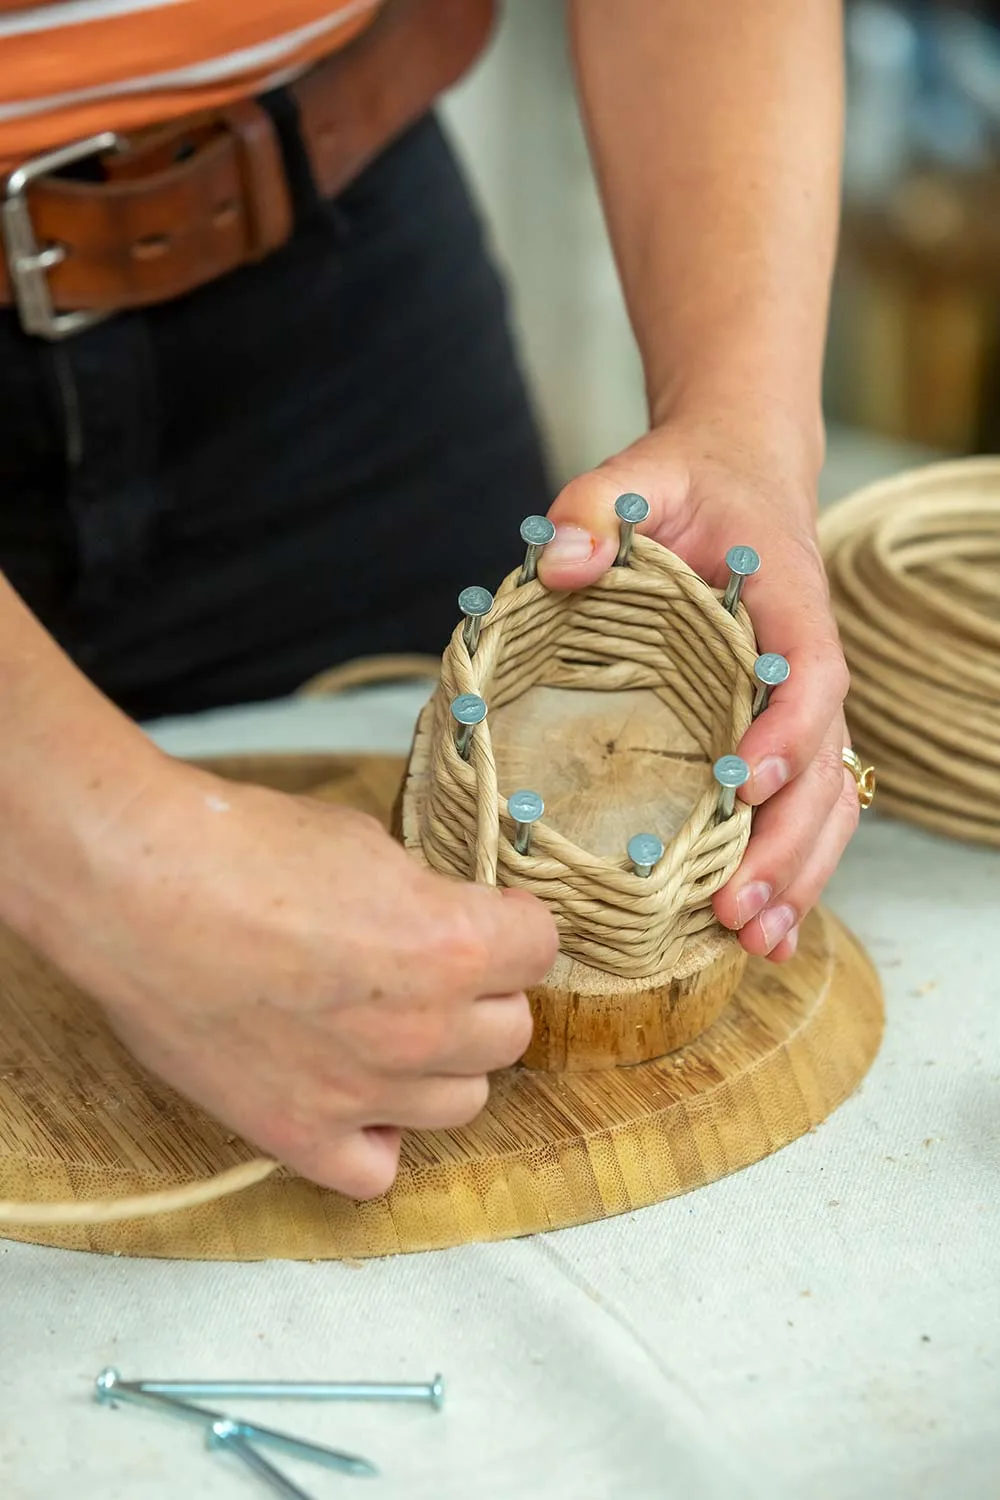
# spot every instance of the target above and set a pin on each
(78, 1118)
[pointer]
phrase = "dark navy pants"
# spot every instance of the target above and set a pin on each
(303, 462)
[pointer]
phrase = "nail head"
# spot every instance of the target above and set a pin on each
(525, 806)
(645, 849)
(743, 561)
(474, 602)
(220, 1432)
(731, 770)
(771, 669)
(631, 508)
(468, 708)
(537, 531)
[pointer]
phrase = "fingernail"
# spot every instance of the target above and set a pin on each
(571, 544)
(752, 899)
(776, 923)
(792, 941)
(769, 777)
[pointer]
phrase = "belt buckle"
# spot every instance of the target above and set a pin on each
(27, 263)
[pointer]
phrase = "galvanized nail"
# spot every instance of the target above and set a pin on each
(743, 563)
(474, 603)
(431, 1393)
(468, 710)
(225, 1436)
(109, 1387)
(536, 533)
(631, 511)
(771, 669)
(525, 808)
(645, 851)
(731, 772)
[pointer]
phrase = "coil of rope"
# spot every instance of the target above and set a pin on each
(914, 569)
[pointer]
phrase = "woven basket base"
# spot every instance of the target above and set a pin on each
(78, 1118)
(630, 765)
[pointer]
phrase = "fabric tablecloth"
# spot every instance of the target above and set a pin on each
(825, 1324)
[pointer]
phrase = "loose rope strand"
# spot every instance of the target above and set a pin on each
(142, 1205)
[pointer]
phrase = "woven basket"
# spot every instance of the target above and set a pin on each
(653, 624)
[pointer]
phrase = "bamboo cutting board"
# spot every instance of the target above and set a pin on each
(80, 1119)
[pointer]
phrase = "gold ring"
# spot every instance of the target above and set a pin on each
(864, 776)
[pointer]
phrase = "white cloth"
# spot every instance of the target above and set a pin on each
(824, 1324)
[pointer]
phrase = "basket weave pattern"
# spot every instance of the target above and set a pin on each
(653, 624)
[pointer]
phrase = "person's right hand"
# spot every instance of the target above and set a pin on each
(285, 964)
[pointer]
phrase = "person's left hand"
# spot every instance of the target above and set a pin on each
(710, 489)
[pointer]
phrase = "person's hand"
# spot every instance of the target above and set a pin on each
(709, 491)
(285, 964)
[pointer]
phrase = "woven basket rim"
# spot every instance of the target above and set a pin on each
(466, 818)
(644, 551)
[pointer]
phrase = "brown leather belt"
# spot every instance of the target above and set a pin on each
(180, 206)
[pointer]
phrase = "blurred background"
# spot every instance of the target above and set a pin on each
(913, 362)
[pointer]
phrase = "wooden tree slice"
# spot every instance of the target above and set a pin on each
(611, 765)
(80, 1119)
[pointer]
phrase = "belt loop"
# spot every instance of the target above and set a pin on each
(282, 106)
(268, 204)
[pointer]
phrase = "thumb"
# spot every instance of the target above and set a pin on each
(586, 539)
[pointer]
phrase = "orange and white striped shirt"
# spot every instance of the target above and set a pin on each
(71, 68)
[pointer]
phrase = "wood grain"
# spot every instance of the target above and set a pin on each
(609, 765)
(79, 1118)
